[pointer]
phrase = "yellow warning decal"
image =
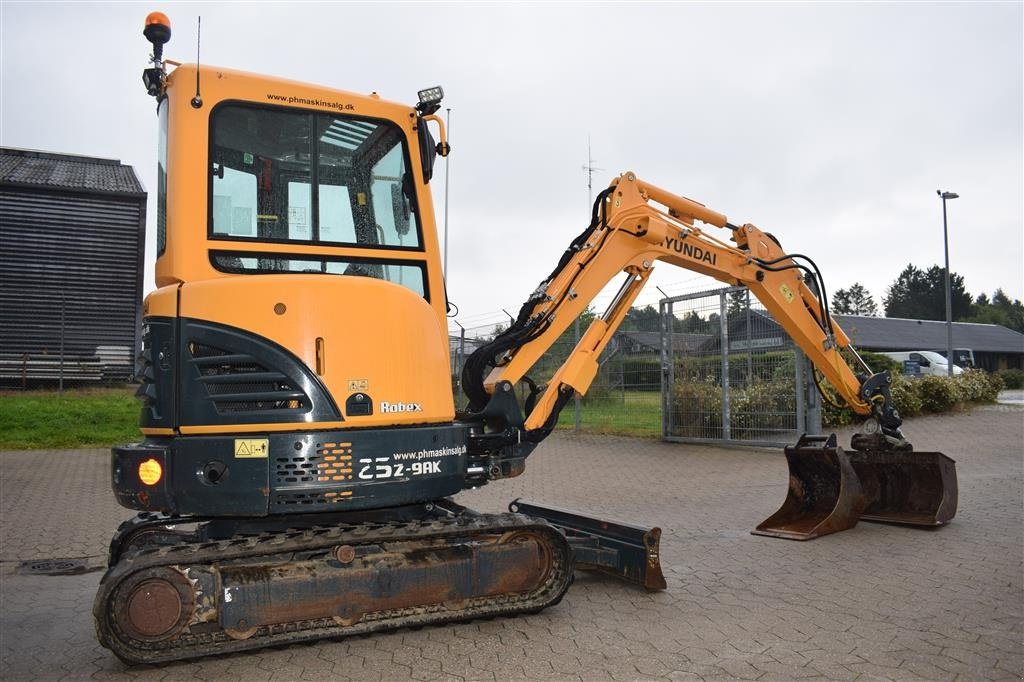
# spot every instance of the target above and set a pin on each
(787, 293)
(252, 447)
(358, 385)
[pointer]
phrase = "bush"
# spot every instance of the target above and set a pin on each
(879, 363)
(1012, 378)
(762, 407)
(997, 382)
(938, 394)
(832, 415)
(906, 396)
(977, 386)
(697, 410)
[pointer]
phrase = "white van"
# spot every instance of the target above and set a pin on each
(929, 361)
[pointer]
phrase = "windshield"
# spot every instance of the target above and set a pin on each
(933, 357)
(296, 176)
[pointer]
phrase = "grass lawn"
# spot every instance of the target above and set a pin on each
(82, 417)
(102, 417)
(633, 413)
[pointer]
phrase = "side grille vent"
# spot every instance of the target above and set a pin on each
(332, 463)
(311, 499)
(297, 469)
(237, 383)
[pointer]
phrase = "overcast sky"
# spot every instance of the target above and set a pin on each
(830, 125)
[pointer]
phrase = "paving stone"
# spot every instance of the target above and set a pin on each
(875, 602)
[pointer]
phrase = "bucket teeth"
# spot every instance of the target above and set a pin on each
(831, 489)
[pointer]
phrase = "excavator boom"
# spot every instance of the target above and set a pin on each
(635, 224)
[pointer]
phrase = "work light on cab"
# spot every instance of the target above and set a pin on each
(157, 30)
(430, 100)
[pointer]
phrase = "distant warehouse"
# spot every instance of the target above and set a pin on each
(995, 347)
(72, 235)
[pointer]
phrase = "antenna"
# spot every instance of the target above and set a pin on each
(197, 101)
(590, 168)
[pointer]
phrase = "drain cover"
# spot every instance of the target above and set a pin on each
(55, 567)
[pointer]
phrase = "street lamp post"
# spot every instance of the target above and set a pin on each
(949, 296)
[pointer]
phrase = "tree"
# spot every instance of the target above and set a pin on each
(920, 294)
(691, 323)
(1000, 310)
(1001, 300)
(854, 301)
(738, 302)
(645, 319)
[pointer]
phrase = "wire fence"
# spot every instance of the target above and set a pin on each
(625, 396)
(734, 374)
(711, 366)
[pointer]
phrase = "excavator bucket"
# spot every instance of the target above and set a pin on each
(825, 495)
(830, 489)
(917, 488)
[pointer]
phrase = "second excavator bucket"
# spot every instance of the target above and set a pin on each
(824, 494)
(830, 489)
(917, 488)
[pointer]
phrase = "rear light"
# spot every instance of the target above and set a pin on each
(150, 472)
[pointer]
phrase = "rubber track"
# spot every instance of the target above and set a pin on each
(194, 645)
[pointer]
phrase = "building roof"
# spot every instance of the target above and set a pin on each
(67, 172)
(898, 334)
(646, 342)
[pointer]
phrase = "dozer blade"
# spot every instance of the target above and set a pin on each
(917, 488)
(824, 495)
(615, 548)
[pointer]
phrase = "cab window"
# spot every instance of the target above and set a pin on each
(296, 176)
(409, 274)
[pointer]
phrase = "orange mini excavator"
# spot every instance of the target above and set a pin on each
(301, 439)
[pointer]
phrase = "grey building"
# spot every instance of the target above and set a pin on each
(72, 235)
(995, 347)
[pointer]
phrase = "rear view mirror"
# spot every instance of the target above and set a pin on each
(925, 363)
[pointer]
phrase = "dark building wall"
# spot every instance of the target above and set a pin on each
(76, 250)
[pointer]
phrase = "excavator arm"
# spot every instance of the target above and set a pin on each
(635, 224)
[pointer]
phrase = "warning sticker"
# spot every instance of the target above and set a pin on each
(787, 293)
(251, 447)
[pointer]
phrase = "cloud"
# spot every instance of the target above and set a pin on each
(830, 125)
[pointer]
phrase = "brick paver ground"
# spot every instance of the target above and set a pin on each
(875, 602)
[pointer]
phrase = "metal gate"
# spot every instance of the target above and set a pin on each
(731, 374)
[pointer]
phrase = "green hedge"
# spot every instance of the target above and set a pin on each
(755, 409)
(929, 394)
(1012, 378)
(765, 405)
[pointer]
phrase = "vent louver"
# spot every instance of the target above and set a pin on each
(237, 383)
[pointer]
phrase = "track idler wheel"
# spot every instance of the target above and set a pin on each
(825, 494)
(154, 605)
